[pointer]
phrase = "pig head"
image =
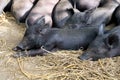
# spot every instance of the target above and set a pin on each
(106, 45)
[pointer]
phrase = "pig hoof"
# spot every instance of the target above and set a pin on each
(19, 54)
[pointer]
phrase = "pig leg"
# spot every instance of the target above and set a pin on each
(47, 47)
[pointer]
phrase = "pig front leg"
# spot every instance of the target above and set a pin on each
(43, 51)
(40, 52)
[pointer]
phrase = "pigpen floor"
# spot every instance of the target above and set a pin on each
(61, 65)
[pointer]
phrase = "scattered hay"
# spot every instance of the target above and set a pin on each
(60, 65)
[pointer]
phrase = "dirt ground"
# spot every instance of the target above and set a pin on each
(61, 65)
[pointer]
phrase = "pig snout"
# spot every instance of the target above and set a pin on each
(18, 48)
(85, 56)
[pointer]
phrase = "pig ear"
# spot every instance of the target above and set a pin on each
(44, 29)
(39, 22)
(101, 30)
(88, 14)
(70, 11)
(112, 41)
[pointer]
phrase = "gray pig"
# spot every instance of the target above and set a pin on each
(51, 38)
(94, 16)
(106, 45)
(91, 17)
(116, 16)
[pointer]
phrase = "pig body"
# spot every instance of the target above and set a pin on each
(51, 38)
(61, 13)
(83, 5)
(107, 45)
(42, 8)
(21, 9)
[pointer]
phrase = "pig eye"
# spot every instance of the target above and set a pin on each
(38, 30)
(81, 48)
